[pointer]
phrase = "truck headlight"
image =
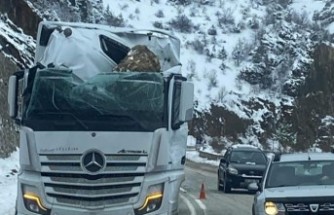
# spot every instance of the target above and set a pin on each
(152, 201)
(33, 204)
(32, 200)
(232, 170)
(272, 208)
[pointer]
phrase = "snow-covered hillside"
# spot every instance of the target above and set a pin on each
(248, 59)
(239, 54)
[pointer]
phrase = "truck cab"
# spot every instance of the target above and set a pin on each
(94, 141)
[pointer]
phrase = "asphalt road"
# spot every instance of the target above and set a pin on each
(238, 202)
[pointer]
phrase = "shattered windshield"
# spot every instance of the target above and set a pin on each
(107, 101)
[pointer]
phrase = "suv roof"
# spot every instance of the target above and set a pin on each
(305, 156)
(244, 147)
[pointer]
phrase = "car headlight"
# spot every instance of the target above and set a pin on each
(33, 202)
(272, 208)
(232, 170)
(152, 201)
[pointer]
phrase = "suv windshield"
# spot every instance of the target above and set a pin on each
(107, 101)
(300, 173)
(248, 157)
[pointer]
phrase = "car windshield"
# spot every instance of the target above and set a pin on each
(107, 101)
(300, 173)
(248, 157)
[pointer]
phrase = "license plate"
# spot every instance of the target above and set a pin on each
(251, 181)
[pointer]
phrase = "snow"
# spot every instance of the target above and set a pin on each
(308, 6)
(8, 183)
(328, 120)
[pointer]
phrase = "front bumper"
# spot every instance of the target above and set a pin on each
(242, 180)
(169, 205)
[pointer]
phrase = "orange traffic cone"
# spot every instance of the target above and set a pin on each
(202, 192)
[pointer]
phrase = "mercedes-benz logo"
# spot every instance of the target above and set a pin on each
(93, 162)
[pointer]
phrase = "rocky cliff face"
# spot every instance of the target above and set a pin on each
(314, 114)
(21, 14)
(8, 134)
(17, 51)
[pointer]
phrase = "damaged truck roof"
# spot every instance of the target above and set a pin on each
(89, 49)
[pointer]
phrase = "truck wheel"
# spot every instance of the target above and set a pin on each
(227, 186)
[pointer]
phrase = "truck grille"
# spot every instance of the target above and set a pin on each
(305, 208)
(68, 184)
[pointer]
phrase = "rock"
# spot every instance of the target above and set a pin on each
(139, 59)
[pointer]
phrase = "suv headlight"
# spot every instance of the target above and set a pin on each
(232, 170)
(32, 201)
(152, 201)
(272, 208)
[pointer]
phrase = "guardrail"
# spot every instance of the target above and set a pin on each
(210, 156)
(201, 166)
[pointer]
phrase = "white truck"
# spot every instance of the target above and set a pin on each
(94, 141)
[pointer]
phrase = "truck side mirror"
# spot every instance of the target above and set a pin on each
(187, 102)
(183, 98)
(12, 93)
(12, 99)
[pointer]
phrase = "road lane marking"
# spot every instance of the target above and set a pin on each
(199, 203)
(189, 205)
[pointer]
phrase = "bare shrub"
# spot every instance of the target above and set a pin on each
(157, 24)
(299, 19)
(222, 54)
(254, 23)
(182, 23)
(226, 17)
(197, 45)
(160, 14)
(193, 11)
(123, 7)
(212, 31)
(241, 52)
(181, 2)
(137, 11)
(113, 20)
(191, 67)
(221, 94)
(212, 77)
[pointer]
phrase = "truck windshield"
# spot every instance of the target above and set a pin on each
(122, 101)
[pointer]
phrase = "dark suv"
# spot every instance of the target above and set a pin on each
(240, 166)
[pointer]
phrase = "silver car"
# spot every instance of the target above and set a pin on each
(293, 184)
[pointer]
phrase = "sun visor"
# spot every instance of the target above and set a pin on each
(77, 50)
